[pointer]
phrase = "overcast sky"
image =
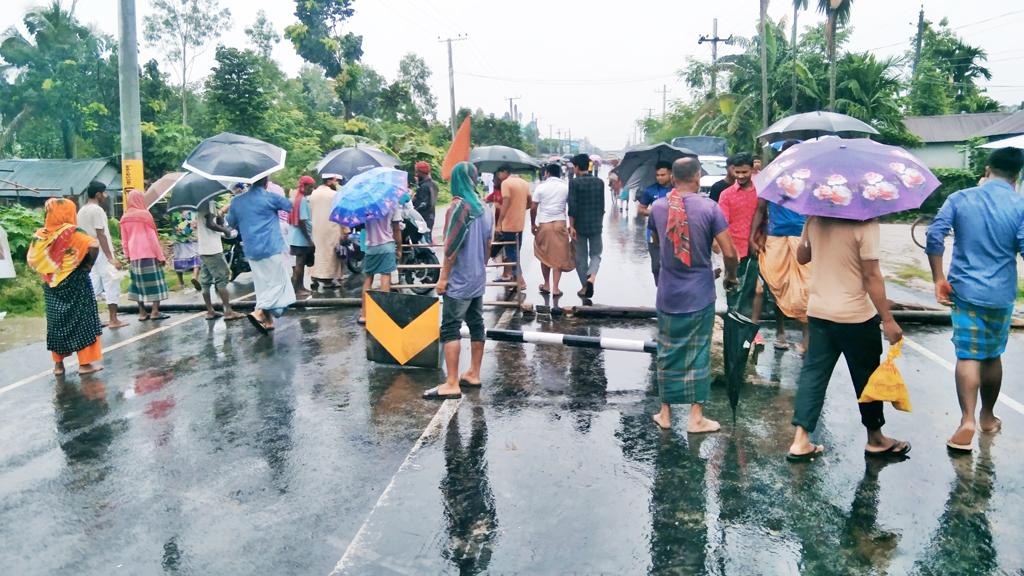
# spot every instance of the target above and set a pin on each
(590, 70)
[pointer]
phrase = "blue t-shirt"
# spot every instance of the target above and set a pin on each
(988, 232)
(784, 222)
(647, 198)
(254, 214)
(295, 235)
(468, 277)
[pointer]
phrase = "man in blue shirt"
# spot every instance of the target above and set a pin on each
(988, 229)
(661, 187)
(254, 214)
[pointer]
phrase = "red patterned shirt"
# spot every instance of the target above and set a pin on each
(739, 205)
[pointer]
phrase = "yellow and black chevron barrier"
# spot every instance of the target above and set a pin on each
(403, 329)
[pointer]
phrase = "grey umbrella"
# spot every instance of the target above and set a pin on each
(191, 191)
(347, 162)
(637, 167)
(233, 158)
(811, 124)
(490, 158)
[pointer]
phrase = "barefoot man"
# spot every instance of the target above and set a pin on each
(467, 242)
(687, 224)
(988, 230)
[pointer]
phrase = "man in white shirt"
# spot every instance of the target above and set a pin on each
(548, 215)
(92, 218)
(214, 271)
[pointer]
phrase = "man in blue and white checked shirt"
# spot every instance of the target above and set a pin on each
(988, 228)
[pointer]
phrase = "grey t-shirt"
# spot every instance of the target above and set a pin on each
(468, 277)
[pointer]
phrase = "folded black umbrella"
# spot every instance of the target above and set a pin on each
(738, 338)
(637, 167)
(191, 191)
(348, 162)
(233, 158)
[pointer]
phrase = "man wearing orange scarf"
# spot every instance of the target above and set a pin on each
(687, 224)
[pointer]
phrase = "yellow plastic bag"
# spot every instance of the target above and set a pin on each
(886, 384)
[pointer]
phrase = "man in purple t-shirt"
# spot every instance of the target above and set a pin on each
(687, 224)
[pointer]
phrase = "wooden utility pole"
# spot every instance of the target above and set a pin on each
(714, 40)
(918, 41)
(451, 75)
(664, 99)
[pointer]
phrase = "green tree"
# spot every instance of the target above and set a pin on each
(953, 66)
(239, 93)
(61, 86)
(837, 13)
(318, 39)
(262, 35)
(414, 74)
(490, 130)
(181, 30)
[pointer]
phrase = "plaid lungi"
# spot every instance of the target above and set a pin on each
(684, 356)
(148, 283)
(185, 256)
(980, 333)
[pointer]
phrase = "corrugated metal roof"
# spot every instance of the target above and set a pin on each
(55, 177)
(1010, 126)
(952, 127)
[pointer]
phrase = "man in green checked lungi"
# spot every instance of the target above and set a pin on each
(687, 224)
(988, 233)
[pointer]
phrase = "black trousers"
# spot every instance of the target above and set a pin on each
(654, 249)
(861, 344)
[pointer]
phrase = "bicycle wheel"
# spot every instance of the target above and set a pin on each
(920, 222)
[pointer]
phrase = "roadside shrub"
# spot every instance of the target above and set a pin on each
(952, 179)
(22, 295)
(20, 223)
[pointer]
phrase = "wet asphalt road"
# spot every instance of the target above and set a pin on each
(204, 449)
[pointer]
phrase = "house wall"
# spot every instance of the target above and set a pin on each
(940, 155)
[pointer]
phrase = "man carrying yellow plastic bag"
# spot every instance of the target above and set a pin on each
(886, 384)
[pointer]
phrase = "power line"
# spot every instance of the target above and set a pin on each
(550, 81)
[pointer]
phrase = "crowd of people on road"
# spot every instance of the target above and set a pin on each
(822, 273)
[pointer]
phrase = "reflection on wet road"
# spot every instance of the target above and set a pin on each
(206, 450)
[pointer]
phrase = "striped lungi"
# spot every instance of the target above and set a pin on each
(684, 356)
(148, 284)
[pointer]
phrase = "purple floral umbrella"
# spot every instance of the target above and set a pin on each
(852, 179)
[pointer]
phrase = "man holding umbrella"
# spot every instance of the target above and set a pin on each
(687, 224)
(254, 214)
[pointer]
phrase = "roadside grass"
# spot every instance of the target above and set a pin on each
(22, 295)
(908, 272)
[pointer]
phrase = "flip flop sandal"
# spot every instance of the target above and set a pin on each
(464, 382)
(233, 318)
(259, 325)
(433, 394)
(590, 289)
(891, 452)
(807, 456)
(361, 321)
(543, 290)
(143, 318)
(781, 345)
(959, 448)
(214, 316)
(160, 317)
(197, 285)
(997, 428)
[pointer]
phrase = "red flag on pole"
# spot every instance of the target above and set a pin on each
(459, 151)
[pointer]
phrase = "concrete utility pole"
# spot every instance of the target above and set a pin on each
(918, 41)
(511, 108)
(451, 75)
(664, 98)
(714, 40)
(132, 175)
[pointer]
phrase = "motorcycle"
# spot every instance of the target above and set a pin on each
(235, 256)
(417, 252)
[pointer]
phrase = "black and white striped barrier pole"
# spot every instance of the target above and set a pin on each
(571, 340)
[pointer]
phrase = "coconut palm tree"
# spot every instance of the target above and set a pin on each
(838, 13)
(798, 5)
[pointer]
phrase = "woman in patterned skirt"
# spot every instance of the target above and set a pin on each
(146, 258)
(63, 255)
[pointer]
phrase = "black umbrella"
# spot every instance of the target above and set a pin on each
(815, 124)
(191, 191)
(637, 166)
(490, 158)
(347, 162)
(738, 339)
(233, 158)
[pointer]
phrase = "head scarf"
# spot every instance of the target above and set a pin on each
(293, 216)
(678, 227)
(138, 230)
(59, 247)
(465, 208)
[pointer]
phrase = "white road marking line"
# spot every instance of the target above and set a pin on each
(72, 361)
(448, 409)
(1003, 397)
